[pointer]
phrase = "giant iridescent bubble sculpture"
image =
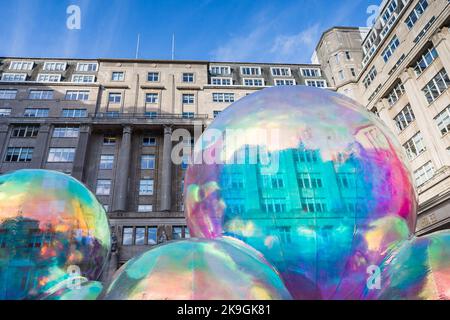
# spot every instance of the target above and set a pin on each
(54, 235)
(310, 179)
(198, 269)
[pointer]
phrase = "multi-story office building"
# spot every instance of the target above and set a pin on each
(109, 123)
(404, 60)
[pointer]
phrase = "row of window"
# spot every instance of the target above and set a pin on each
(72, 95)
(47, 78)
(53, 66)
(104, 187)
(148, 235)
(257, 71)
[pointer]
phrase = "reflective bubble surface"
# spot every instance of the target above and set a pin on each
(194, 269)
(52, 229)
(310, 179)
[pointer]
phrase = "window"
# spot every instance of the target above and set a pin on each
(148, 162)
(311, 72)
(284, 82)
(149, 141)
(188, 115)
(415, 14)
(188, 77)
(310, 181)
(424, 173)
(308, 156)
(146, 187)
(220, 70)
(8, 94)
(25, 131)
(347, 55)
(313, 205)
(87, 67)
(151, 98)
(180, 232)
(36, 113)
(103, 187)
(117, 76)
(274, 205)
(316, 83)
(77, 95)
(66, 132)
(341, 75)
(153, 77)
(152, 235)
(106, 162)
(45, 77)
(353, 72)
(443, 120)
(221, 81)
(414, 146)
(252, 82)
(283, 72)
(368, 79)
(21, 65)
(140, 236)
(127, 239)
(19, 154)
(251, 71)
(55, 66)
(425, 60)
(115, 97)
(216, 113)
(41, 95)
(223, 97)
(404, 118)
(436, 86)
(14, 77)
(74, 113)
(395, 94)
(109, 140)
(336, 57)
(151, 114)
(61, 155)
(5, 112)
(392, 46)
(145, 208)
(188, 98)
(80, 78)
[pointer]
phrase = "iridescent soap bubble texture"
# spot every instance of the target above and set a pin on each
(198, 269)
(53, 231)
(310, 179)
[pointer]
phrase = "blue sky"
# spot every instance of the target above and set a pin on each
(219, 30)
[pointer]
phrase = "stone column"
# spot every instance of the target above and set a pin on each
(166, 172)
(441, 41)
(123, 170)
(383, 112)
(40, 147)
(80, 155)
(4, 130)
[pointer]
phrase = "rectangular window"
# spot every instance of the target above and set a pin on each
(368, 79)
(74, 113)
(36, 113)
(390, 49)
(21, 65)
(145, 208)
(146, 187)
(404, 118)
(425, 60)
(316, 83)
(188, 77)
(424, 173)
(140, 236)
(148, 162)
(313, 205)
(188, 115)
(106, 162)
(221, 81)
(253, 82)
(66, 132)
(177, 232)
(25, 131)
(216, 113)
(347, 55)
(153, 77)
(416, 13)
(8, 94)
(220, 70)
(41, 95)
(414, 146)
(223, 97)
(5, 112)
(149, 141)
(61, 155)
(436, 86)
(127, 239)
(188, 98)
(274, 205)
(152, 234)
(77, 95)
(19, 154)
(87, 67)
(55, 66)
(115, 97)
(45, 77)
(103, 187)
(443, 121)
(284, 82)
(80, 78)
(310, 181)
(341, 75)
(281, 71)
(117, 76)
(151, 98)
(353, 72)
(306, 156)
(251, 71)
(311, 73)
(109, 140)
(396, 93)
(14, 77)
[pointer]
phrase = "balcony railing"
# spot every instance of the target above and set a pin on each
(148, 115)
